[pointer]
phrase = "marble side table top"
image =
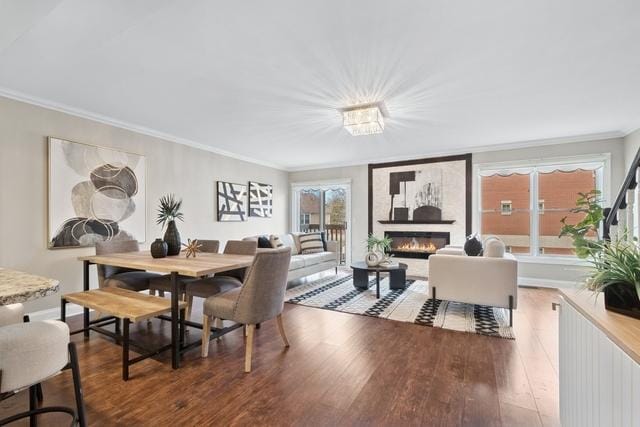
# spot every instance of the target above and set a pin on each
(17, 286)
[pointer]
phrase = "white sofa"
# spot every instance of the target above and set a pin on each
(304, 265)
(454, 276)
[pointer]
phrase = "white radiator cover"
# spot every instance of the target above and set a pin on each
(599, 382)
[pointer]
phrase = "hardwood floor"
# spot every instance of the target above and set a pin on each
(341, 369)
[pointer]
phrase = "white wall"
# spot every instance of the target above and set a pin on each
(188, 172)
(540, 273)
(631, 147)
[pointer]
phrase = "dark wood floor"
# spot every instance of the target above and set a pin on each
(341, 369)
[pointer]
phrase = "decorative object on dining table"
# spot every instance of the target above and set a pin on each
(473, 245)
(96, 194)
(377, 250)
(168, 213)
(260, 199)
(231, 201)
(192, 247)
(159, 248)
(616, 274)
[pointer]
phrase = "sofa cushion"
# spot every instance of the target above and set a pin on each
(296, 240)
(494, 248)
(318, 258)
(297, 261)
(311, 243)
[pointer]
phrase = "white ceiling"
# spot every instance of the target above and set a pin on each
(264, 79)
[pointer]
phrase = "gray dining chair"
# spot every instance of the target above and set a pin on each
(125, 278)
(260, 298)
(162, 283)
(221, 282)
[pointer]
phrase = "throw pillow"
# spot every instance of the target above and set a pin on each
(275, 241)
(494, 248)
(287, 240)
(311, 243)
(264, 242)
(473, 246)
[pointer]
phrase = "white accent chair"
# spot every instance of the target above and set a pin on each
(490, 281)
(32, 352)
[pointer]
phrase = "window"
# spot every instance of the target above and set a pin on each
(506, 207)
(304, 218)
(523, 205)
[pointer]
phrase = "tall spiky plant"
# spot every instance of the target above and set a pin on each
(615, 262)
(169, 210)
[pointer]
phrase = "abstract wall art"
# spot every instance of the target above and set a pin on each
(260, 200)
(232, 201)
(95, 194)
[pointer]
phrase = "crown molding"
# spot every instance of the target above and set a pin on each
(480, 149)
(78, 112)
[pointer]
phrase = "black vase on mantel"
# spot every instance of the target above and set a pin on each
(159, 248)
(172, 238)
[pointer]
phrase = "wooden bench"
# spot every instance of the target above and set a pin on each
(121, 305)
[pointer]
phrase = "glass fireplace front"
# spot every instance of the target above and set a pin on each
(416, 244)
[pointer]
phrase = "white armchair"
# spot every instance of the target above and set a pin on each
(475, 280)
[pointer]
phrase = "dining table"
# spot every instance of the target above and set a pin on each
(18, 286)
(200, 266)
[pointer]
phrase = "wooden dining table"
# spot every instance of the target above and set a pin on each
(203, 265)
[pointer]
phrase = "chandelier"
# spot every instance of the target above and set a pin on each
(363, 120)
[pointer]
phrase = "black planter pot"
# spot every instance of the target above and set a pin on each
(159, 248)
(172, 238)
(622, 298)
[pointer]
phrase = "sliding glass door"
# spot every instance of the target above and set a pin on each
(324, 207)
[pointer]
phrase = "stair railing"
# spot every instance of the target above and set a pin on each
(623, 211)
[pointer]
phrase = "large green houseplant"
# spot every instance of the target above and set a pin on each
(583, 232)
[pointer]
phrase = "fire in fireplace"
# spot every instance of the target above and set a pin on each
(416, 244)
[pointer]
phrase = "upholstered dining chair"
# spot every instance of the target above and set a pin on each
(32, 352)
(260, 298)
(221, 282)
(162, 284)
(126, 278)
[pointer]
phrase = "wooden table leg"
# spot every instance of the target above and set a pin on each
(125, 349)
(175, 334)
(378, 284)
(85, 285)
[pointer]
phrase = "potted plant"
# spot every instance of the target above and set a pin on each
(377, 248)
(583, 232)
(617, 274)
(168, 212)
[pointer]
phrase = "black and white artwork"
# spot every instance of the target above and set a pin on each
(260, 200)
(232, 201)
(95, 194)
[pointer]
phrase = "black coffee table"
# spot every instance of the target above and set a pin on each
(397, 275)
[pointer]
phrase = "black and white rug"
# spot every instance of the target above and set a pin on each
(411, 304)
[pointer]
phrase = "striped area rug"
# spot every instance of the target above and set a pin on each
(411, 304)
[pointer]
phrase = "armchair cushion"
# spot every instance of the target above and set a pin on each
(10, 314)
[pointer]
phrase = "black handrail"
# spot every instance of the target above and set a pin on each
(630, 183)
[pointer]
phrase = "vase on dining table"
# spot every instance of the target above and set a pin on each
(172, 238)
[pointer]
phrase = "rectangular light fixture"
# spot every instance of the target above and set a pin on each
(364, 120)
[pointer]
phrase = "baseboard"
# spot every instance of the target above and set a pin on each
(54, 313)
(547, 283)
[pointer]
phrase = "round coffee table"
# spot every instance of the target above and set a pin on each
(397, 275)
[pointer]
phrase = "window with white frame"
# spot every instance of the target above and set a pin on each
(523, 205)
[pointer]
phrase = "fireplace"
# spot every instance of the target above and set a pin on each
(416, 244)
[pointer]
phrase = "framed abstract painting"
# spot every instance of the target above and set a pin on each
(96, 194)
(232, 201)
(260, 200)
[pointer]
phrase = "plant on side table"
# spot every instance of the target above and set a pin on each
(168, 212)
(377, 249)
